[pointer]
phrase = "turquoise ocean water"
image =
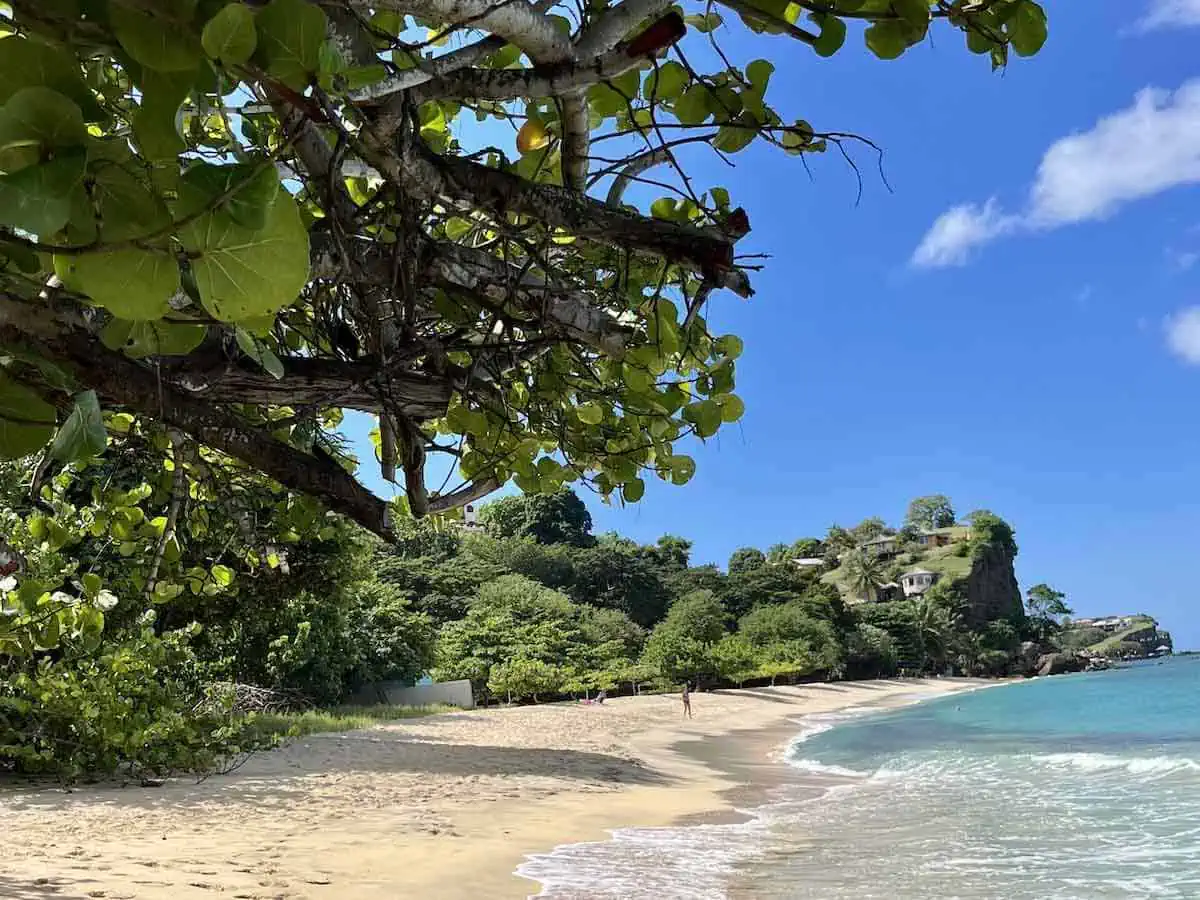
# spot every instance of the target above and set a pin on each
(1072, 788)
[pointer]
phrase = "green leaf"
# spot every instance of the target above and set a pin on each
(26, 420)
(154, 122)
(229, 36)
(83, 435)
(38, 199)
(663, 208)
(49, 634)
(729, 346)
(667, 81)
(255, 188)
(41, 117)
(832, 35)
(243, 273)
(704, 23)
(692, 107)
(732, 407)
(1027, 28)
(979, 43)
(290, 35)
(92, 584)
(260, 353)
(31, 63)
(164, 40)
(914, 12)
(887, 39)
(732, 138)
(161, 338)
(132, 284)
(632, 491)
(222, 575)
(682, 469)
(590, 413)
(758, 73)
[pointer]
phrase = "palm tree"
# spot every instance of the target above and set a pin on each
(933, 628)
(864, 573)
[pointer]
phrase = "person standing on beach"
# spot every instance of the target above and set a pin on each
(686, 697)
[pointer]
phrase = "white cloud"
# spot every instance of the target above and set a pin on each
(1183, 334)
(1150, 147)
(1170, 13)
(958, 231)
(1183, 260)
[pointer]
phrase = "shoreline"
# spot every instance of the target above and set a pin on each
(743, 768)
(408, 809)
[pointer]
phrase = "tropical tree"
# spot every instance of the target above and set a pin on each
(868, 529)
(556, 518)
(1045, 608)
(236, 219)
(746, 559)
(864, 573)
(681, 646)
(933, 627)
(929, 512)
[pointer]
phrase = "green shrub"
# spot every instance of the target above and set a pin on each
(133, 709)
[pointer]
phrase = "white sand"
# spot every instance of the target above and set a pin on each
(440, 807)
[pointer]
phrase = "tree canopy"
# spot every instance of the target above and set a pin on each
(239, 219)
(933, 511)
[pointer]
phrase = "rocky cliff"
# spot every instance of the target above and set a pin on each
(992, 590)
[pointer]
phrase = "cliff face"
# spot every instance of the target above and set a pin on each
(1148, 637)
(992, 590)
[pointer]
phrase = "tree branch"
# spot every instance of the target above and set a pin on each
(611, 26)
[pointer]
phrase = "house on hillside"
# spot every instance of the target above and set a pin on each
(883, 546)
(917, 582)
(938, 537)
(809, 562)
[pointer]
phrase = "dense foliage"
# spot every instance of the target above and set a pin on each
(225, 223)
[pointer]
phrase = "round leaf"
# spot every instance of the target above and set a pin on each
(133, 284)
(732, 407)
(40, 116)
(1027, 28)
(38, 198)
(290, 35)
(243, 273)
(633, 490)
(590, 413)
(164, 40)
(229, 37)
(692, 107)
(32, 63)
(887, 39)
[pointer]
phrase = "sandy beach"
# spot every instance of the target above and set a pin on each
(444, 807)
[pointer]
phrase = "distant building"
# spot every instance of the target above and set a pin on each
(809, 562)
(917, 582)
(887, 545)
(939, 537)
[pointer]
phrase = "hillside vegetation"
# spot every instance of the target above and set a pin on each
(1139, 637)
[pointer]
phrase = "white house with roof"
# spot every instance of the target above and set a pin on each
(917, 582)
(808, 562)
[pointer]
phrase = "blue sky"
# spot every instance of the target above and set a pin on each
(1016, 324)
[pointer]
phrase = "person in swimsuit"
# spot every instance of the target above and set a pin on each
(686, 697)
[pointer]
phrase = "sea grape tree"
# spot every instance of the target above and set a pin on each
(231, 220)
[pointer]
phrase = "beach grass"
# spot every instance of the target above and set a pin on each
(340, 718)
